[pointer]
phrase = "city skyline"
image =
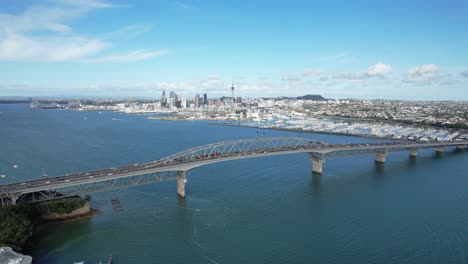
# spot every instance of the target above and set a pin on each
(366, 50)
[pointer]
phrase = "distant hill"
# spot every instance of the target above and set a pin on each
(314, 97)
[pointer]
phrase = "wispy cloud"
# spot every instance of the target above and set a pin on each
(43, 33)
(136, 55)
(313, 73)
(183, 5)
(342, 58)
(350, 75)
(14, 47)
(291, 78)
(86, 3)
(129, 31)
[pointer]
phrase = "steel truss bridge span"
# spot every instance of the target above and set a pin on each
(177, 166)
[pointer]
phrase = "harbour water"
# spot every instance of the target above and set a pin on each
(263, 210)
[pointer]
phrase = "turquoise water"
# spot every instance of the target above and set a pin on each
(263, 210)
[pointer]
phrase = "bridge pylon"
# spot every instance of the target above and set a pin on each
(413, 153)
(10, 199)
(380, 156)
(181, 181)
(440, 149)
(317, 162)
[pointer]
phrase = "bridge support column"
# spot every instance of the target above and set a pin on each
(413, 153)
(14, 198)
(380, 157)
(317, 165)
(440, 149)
(181, 181)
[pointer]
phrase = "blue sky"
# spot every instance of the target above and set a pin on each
(339, 49)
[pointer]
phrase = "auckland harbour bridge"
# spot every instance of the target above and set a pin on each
(177, 166)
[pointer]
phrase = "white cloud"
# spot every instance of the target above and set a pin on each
(43, 34)
(136, 55)
(423, 74)
(214, 85)
(379, 69)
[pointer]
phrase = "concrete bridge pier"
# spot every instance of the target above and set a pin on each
(14, 198)
(440, 149)
(317, 165)
(181, 181)
(380, 156)
(413, 153)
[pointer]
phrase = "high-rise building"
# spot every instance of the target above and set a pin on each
(163, 98)
(172, 94)
(205, 99)
(197, 100)
(232, 91)
(171, 103)
(233, 99)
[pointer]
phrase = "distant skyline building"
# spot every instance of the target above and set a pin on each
(163, 97)
(197, 100)
(171, 103)
(172, 100)
(232, 95)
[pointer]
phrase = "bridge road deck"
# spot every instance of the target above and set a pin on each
(203, 155)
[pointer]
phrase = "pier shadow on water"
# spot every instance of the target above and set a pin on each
(379, 171)
(379, 168)
(182, 213)
(412, 161)
(316, 185)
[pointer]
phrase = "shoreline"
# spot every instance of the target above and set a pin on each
(312, 131)
(184, 119)
(91, 213)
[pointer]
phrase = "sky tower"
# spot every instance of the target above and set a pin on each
(232, 92)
